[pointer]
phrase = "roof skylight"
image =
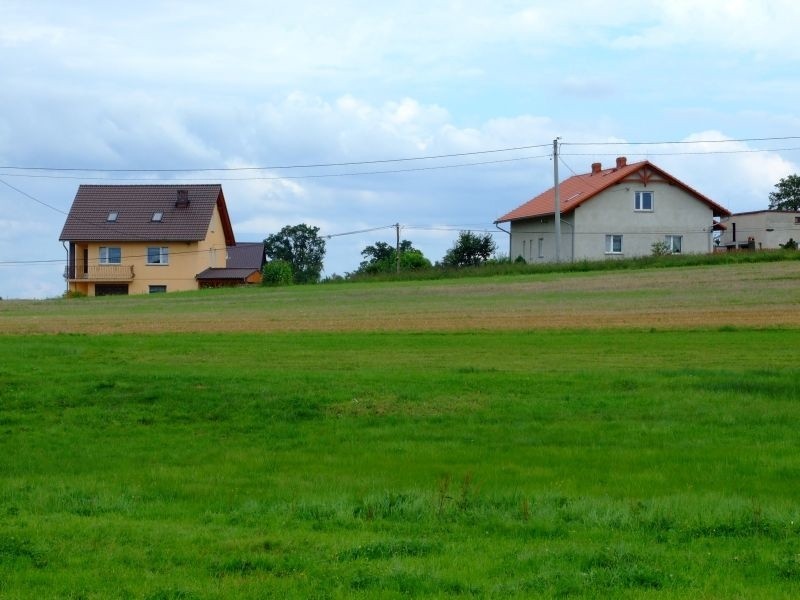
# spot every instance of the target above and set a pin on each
(157, 216)
(112, 216)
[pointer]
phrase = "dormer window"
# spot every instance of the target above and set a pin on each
(112, 216)
(157, 216)
(182, 199)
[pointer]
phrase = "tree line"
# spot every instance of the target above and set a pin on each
(296, 254)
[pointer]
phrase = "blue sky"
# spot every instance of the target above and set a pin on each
(180, 85)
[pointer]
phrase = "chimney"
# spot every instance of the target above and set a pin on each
(596, 168)
(182, 200)
(621, 161)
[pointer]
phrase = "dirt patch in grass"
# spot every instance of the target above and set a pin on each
(755, 295)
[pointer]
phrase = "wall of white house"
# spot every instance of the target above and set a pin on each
(534, 239)
(768, 229)
(584, 231)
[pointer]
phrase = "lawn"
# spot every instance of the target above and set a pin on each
(352, 461)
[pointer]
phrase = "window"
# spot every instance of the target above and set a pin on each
(613, 244)
(541, 247)
(158, 256)
(157, 216)
(797, 220)
(673, 243)
(643, 201)
(158, 289)
(112, 216)
(110, 255)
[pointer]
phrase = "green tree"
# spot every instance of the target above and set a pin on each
(301, 247)
(382, 258)
(786, 195)
(470, 249)
(277, 272)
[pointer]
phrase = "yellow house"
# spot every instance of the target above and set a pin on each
(139, 239)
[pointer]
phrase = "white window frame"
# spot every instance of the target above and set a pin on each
(670, 241)
(638, 201)
(163, 255)
(610, 238)
(107, 255)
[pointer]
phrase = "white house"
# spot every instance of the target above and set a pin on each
(614, 212)
(760, 229)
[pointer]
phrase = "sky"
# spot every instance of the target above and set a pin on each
(144, 92)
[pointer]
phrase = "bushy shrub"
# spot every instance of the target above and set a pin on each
(660, 249)
(277, 272)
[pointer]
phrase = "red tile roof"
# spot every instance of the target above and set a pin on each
(578, 189)
(135, 205)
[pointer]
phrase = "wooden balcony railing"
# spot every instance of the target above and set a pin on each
(102, 273)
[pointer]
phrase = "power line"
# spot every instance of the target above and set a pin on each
(380, 172)
(155, 244)
(275, 167)
(453, 228)
(757, 139)
(333, 235)
(7, 263)
(284, 177)
(750, 151)
(27, 195)
(397, 160)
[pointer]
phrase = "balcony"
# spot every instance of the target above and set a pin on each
(101, 273)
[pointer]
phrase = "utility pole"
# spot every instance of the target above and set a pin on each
(397, 247)
(557, 212)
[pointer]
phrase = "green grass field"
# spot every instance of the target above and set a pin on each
(436, 461)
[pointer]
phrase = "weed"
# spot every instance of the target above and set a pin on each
(788, 566)
(389, 549)
(13, 548)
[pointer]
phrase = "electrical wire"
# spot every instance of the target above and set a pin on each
(277, 167)
(285, 177)
(333, 235)
(756, 139)
(27, 195)
(707, 152)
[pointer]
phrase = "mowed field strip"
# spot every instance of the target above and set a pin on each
(618, 434)
(749, 295)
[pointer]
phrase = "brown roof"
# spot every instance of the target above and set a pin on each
(229, 274)
(243, 259)
(135, 205)
(246, 255)
(578, 189)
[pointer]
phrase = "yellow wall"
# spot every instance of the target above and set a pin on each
(186, 260)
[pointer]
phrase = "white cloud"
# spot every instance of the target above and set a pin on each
(196, 84)
(753, 26)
